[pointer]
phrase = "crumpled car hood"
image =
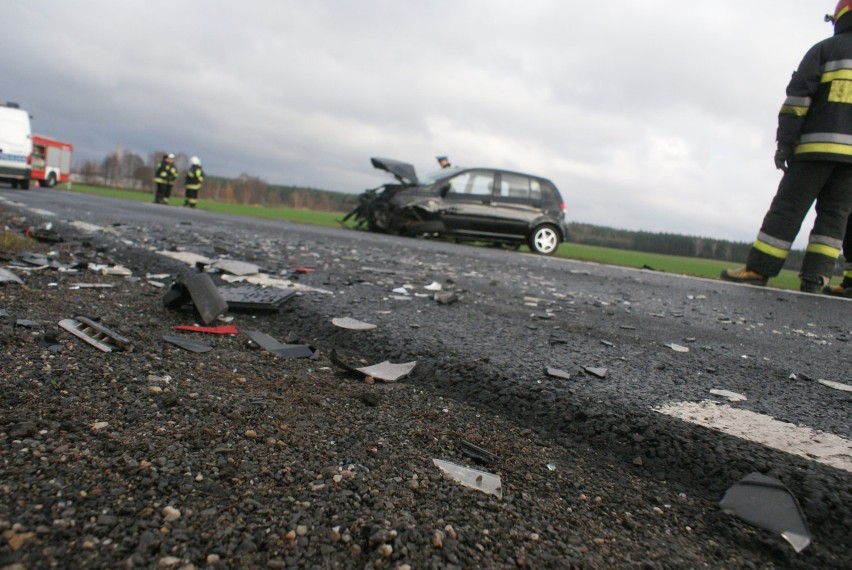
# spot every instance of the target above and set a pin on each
(402, 171)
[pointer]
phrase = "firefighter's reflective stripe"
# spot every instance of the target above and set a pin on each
(797, 106)
(824, 245)
(772, 246)
(833, 143)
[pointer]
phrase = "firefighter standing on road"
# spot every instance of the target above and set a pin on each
(815, 152)
(164, 179)
(192, 182)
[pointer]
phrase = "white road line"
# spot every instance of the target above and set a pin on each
(822, 447)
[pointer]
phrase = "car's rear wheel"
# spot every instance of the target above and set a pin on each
(544, 240)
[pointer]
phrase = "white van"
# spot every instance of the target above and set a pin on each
(16, 145)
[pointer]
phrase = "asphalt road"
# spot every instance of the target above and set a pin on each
(642, 349)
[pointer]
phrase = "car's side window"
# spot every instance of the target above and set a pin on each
(517, 186)
(474, 183)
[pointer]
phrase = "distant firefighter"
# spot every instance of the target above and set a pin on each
(192, 182)
(164, 179)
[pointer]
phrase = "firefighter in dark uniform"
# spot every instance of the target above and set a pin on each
(164, 179)
(815, 152)
(192, 182)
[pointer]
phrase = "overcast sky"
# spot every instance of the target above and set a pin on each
(657, 115)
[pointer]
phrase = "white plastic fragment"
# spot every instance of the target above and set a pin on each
(98, 425)
(388, 371)
(731, 396)
(677, 347)
(836, 385)
(400, 291)
(483, 481)
(433, 286)
(352, 324)
(187, 257)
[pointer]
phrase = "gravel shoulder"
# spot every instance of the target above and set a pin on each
(157, 457)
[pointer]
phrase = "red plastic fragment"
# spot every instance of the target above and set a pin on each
(222, 329)
(303, 270)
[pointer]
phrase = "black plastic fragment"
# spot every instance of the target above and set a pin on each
(269, 344)
(477, 453)
(251, 298)
(188, 343)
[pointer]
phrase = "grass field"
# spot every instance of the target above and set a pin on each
(665, 263)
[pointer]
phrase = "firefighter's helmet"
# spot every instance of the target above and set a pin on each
(843, 7)
(195, 161)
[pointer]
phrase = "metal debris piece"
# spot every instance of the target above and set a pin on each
(732, 396)
(836, 385)
(269, 344)
(254, 298)
(558, 373)
(766, 503)
(95, 334)
(487, 483)
(205, 297)
(599, 372)
(352, 324)
(235, 267)
(188, 344)
(676, 347)
(222, 329)
(387, 371)
(7, 276)
(478, 453)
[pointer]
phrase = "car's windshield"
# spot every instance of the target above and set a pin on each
(438, 175)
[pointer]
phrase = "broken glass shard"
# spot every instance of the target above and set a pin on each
(188, 343)
(766, 503)
(388, 371)
(472, 478)
(352, 324)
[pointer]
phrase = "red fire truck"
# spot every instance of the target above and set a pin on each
(51, 160)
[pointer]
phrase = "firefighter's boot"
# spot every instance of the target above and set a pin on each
(843, 289)
(812, 283)
(744, 275)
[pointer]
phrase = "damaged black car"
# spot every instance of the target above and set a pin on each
(465, 204)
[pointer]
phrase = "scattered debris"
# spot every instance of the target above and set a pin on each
(269, 344)
(433, 286)
(255, 298)
(234, 267)
(199, 288)
(266, 281)
(400, 291)
(487, 483)
(731, 396)
(558, 373)
(677, 347)
(836, 385)
(387, 371)
(191, 259)
(95, 334)
(599, 372)
(221, 329)
(7, 276)
(446, 297)
(188, 343)
(477, 453)
(766, 503)
(352, 324)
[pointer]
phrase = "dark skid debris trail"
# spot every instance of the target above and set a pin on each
(551, 374)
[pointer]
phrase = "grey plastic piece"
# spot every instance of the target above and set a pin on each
(188, 343)
(205, 297)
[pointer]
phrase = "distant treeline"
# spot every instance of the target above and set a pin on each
(131, 171)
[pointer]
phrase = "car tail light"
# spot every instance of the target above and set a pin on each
(562, 206)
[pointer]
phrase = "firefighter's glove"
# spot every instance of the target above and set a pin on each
(783, 154)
